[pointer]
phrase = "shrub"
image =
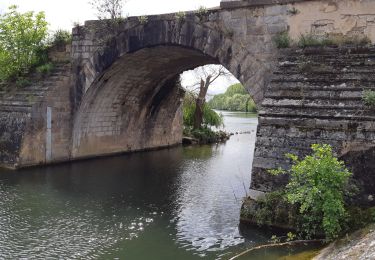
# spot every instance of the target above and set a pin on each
(76, 24)
(293, 11)
(143, 19)
(202, 11)
(45, 69)
(306, 40)
(282, 40)
(180, 16)
(21, 38)
(317, 186)
(22, 82)
(61, 38)
(368, 98)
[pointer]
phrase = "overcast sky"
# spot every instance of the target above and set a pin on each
(61, 14)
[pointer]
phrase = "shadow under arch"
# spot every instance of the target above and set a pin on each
(130, 100)
(135, 104)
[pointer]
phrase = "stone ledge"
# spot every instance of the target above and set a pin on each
(229, 4)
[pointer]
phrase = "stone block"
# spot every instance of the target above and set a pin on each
(256, 30)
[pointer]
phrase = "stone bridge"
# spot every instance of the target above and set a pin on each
(119, 91)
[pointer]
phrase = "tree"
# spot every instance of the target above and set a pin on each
(317, 185)
(22, 38)
(108, 9)
(210, 117)
(207, 75)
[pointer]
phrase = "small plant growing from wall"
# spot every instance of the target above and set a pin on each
(45, 69)
(307, 40)
(228, 32)
(76, 24)
(312, 40)
(143, 19)
(22, 82)
(61, 38)
(293, 11)
(180, 16)
(282, 40)
(202, 11)
(368, 98)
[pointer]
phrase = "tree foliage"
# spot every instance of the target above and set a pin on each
(235, 98)
(317, 185)
(108, 9)
(61, 38)
(210, 117)
(21, 40)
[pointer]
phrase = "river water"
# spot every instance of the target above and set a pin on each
(178, 203)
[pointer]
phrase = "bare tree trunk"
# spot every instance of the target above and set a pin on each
(247, 104)
(201, 100)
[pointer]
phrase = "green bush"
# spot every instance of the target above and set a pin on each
(307, 40)
(282, 40)
(312, 40)
(21, 40)
(61, 38)
(202, 11)
(317, 185)
(368, 98)
(143, 19)
(180, 16)
(22, 82)
(45, 69)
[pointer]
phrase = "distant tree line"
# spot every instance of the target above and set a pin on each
(236, 98)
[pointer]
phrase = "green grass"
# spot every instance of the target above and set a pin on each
(282, 40)
(45, 69)
(368, 98)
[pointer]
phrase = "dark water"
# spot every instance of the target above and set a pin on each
(180, 203)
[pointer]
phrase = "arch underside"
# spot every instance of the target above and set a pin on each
(136, 103)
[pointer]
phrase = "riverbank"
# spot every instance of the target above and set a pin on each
(358, 245)
(204, 136)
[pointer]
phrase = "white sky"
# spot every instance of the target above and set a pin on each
(61, 14)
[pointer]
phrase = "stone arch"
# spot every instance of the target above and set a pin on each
(126, 78)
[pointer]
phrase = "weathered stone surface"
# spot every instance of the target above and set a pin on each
(315, 96)
(23, 133)
(361, 162)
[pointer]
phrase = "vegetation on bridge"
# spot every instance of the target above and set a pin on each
(22, 37)
(24, 44)
(283, 40)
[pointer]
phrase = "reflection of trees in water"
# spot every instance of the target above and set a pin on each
(198, 152)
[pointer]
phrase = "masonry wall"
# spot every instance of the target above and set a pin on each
(23, 117)
(315, 96)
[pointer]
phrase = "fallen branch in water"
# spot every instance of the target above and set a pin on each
(290, 243)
